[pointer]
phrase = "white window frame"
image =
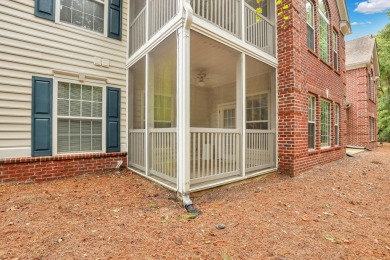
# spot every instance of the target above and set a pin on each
(312, 122)
(311, 25)
(329, 134)
(336, 64)
(172, 116)
(337, 125)
(268, 106)
(55, 114)
(105, 23)
(372, 128)
(223, 107)
(371, 86)
(154, 116)
(326, 19)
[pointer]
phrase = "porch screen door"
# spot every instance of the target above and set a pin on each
(227, 116)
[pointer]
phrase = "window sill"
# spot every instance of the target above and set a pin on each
(324, 149)
(337, 72)
(327, 64)
(104, 34)
(312, 52)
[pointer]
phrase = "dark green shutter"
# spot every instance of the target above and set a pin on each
(113, 119)
(115, 19)
(41, 132)
(45, 9)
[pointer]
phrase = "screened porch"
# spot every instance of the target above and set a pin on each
(227, 116)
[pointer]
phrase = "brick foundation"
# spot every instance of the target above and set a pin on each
(37, 169)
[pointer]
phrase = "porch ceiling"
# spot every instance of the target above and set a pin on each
(218, 62)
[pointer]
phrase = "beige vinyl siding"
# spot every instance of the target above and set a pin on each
(200, 100)
(32, 46)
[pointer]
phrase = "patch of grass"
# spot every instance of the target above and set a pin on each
(225, 255)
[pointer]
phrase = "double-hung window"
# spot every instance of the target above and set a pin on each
(162, 111)
(337, 125)
(87, 14)
(310, 25)
(335, 51)
(257, 111)
(372, 128)
(325, 123)
(311, 125)
(324, 25)
(371, 86)
(79, 118)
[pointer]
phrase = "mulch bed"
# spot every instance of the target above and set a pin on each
(337, 211)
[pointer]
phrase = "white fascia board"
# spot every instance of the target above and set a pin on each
(357, 66)
(345, 25)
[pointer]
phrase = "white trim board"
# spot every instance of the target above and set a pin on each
(15, 152)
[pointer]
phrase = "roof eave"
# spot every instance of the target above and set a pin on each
(345, 25)
(357, 65)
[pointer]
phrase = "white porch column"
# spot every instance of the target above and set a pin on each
(274, 114)
(241, 108)
(149, 109)
(129, 112)
(183, 111)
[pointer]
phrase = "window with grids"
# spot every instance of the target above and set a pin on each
(257, 111)
(311, 125)
(335, 51)
(337, 125)
(79, 118)
(371, 86)
(324, 25)
(310, 25)
(162, 111)
(229, 118)
(87, 14)
(325, 123)
(372, 129)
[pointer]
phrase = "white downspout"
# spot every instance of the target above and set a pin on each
(183, 111)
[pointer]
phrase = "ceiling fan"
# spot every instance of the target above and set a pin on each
(201, 76)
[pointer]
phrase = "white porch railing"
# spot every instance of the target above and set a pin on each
(223, 13)
(161, 11)
(137, 32)
(136, 153)
(259, 149)
(163, 153)
(260, 33)
(215, 154)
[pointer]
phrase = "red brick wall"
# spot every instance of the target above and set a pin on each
(302, 72)
(361, 108)
(37, 169)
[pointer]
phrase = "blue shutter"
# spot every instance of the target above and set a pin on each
(41, 132)
(113, 119)
(45, 9)
(115, 19)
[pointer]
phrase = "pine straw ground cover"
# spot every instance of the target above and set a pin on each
(337, 211)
